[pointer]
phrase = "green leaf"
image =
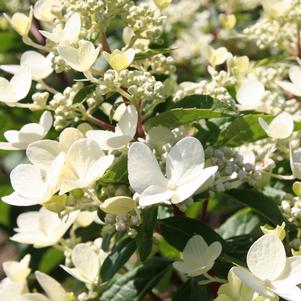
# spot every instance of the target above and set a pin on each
(178, 117)
(10, 41)
(83, 93)
(261, 203)
(117, 258)
(191, 291)
(244, 221)
(144, 238)
(151, 52)
(117, 173)
(135, 284)
(167, 250)
(197, 101)
(50, 260)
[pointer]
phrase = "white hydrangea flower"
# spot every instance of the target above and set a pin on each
(120, 60)
(53, 290)
(295, 162)
(215, 57)
(276, 8)
(81, 58)
(39, 65)
(17, 270)
(86, 264)
(161, 4)
(249, 94)
(68, 35)
(293, 87)
(19, 140)
(17, 88)
(185, 172)
(42, 228)
(281, 127)
(270, 272)
(11, 290)
(85, 163)
(123, 134)
(34, 185)
(43, 9)
(20, 22)
(198, 257)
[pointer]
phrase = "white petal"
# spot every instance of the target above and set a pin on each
(282, 126)
(15, 199)
(266, 258)
(87, 55)
(71, 56)
(155, 195)
(86, 261)
(17, 271)
(12, 136)
(6, 91)
(251, 281)
(118, 205)
(28, 221)
(289, 87)
(39, 65)
(53, 289)
(46, 121)
(287, 292)
(13, 69)
(11, 291)
(250, 94)
(12, 146)
(68, 136)
(21, 82)
(295, 76)
(130, 54)
(42, 153)
(42, 9)
(31, 132)
(72, 28)
(75, 273)
(292, 272)
(295, 162)
(213, 251)
(185, 161)
(143, 168)
(128, 122)
(55, 36)
(184, 191)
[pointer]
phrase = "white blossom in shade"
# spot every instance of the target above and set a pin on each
(20, 22)
(42, 228)
(295, 162)
(185, 172)
(276, 8)
(11, 290)
(269, 272)
(293, 87)
(53, 290)
(85, 163)
(81, 58)
(43, 153)
(118, 205)
(68, 35)
(86, 264)
(18, 140)
(249, 94)
(281, 127)
(120, 60)
(198, 257)
(215, 56)
(42, 9)
(123, 134)
(17, 88)
(33, 185)
(39, 65)
(17, 270)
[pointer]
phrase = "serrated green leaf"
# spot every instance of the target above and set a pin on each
(261, 203)
(135, 284)
(117, 258)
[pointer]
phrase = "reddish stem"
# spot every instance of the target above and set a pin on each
(140, 131)
(204, 211)
(101, 123)
(105, 44)
(36, 33)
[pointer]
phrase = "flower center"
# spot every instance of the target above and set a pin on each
(172, 186)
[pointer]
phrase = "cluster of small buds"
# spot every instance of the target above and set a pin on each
(118, 7)
(85, 8)
(62, 103)
(291, 208)
(58, 64)
(40, 98)
(293, 15)
(237, 5)
(145, 21)
(140, 85)
(160, 64)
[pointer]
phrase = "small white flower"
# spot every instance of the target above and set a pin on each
(43, 9)
(17, 270)
(198, 257)
(18, 140)
(53, 290)
(68, 35)
(34, 185)
(20, 22)
(118, 205)
(42, 228)
(215, 56)
(161, 4)
(120, 60)
(185, 172)
(80, 59)
(123, 134)
(281, 127)
(11, 290)
(17, 88)
(293, 87)
(276, 8)
(85, 163)
(250, 94)
(270, 272)
(86, 264)
(39, 65)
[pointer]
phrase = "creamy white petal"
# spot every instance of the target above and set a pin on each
(290, 87)
(72, 28)
(13, 69)
(42, 9)
(287, 291)
(292, 272)
(295, 76)
(118, 205)
(75, 273)
(15, 199)
(143, 168)
(128, 122)
(46, 121)
(155, 195)
(21, 82)
(266, 258)
(31, 132)
(68, 136)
